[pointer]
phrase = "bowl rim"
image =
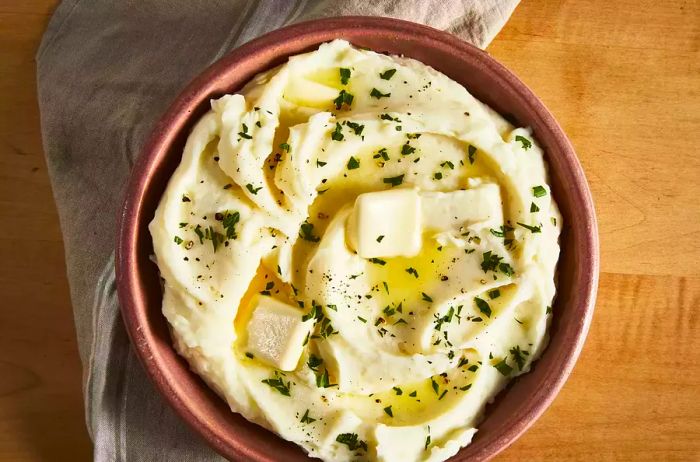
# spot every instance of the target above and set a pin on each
(167, 127)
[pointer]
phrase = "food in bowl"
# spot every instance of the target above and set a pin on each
(358, 255)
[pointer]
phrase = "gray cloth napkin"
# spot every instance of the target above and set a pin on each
(106, 71)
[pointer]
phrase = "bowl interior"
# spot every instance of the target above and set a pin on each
(525, 399)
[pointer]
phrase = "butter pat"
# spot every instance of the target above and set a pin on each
(276, 333)
(445, 211)
(386, 224)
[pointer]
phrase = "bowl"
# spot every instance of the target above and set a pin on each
(139, 289)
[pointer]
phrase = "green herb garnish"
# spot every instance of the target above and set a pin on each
(344, 98)
(344, 75)
(378, 94)
(407, 149)
(306, 418)
(503, 368)
(252, 189)
(527, 144)
(337, 134)
(471, 151)
(393, 180)
(306, 232)
(278, 384)
(483, 306)
(388, 74)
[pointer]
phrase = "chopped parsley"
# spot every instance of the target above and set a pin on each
(502, 231)
(393, 180)
(388, 117)
(448, 164)
(362, 319)
(314, 362)
(244, 133)
(353, 163)
(357, 128)
(306, 418)
(382, 153)
(527, 144)
(379, 238)
(344, 75)
(387, 74)
(539, 191)
(506, 269)
(320, 164)
(412, 271)
(426, 297)
(413, 394)
(490, 261)
(437, 176)
(503, 368)
(377, 261)
(249, 355)
(252, 189)
(278, 384)
(519, 356)
(229, 222)
(471, 151)
(337, 134)
(378, 94)
(178, 240)
(483, 306)
(434, 384)
(186, 199)
(495, 293)
(533, 229)
(344, 98)
(322, 380)
(306, 232)
(407, 149)
(388, 411)
(534, 208)
(285, 147)
(351, 441)
(398, 391)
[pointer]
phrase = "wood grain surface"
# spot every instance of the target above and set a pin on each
(623, 79)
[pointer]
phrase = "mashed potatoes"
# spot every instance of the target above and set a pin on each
(358, 255)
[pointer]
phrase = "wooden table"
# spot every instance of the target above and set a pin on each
(622, 77)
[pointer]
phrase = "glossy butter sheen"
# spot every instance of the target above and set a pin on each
(406, 351)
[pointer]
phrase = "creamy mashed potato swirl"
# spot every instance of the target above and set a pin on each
(402, 350)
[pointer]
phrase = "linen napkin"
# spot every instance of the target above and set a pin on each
(106, 71)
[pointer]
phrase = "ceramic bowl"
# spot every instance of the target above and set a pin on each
(524, 400)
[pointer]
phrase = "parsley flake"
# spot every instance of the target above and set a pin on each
(306, 232)
(483, 306)
(252, 189)
(344, 98)
(337, 134)
(393, 180)
(344, 75)
(378, 94)
(527, 144)
(471, 151)
(503, 368)
(306, 418)
(387, 74)
(278, 384)
(539, 191)
(353, 163)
